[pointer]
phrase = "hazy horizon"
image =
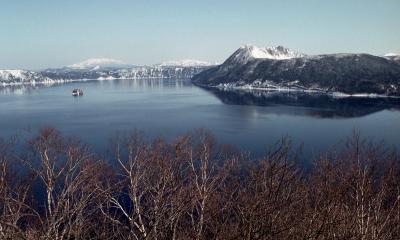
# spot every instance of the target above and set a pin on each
(45, 34)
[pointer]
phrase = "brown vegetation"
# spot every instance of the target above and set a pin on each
(191, 188)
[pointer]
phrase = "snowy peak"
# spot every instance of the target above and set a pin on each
(96, 63)
(187, 63)
(392, 56)
(250, 52)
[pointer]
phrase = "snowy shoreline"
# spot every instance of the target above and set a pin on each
(277, 89)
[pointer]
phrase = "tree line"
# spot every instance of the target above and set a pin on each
(194, 188)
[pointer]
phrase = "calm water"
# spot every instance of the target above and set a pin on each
(166, 108)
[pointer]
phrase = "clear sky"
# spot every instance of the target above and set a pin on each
(53, 33)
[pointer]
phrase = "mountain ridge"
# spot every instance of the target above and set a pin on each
(51, 76)
(393, 57)
(98, 63)
(345, 74)
(250, 52)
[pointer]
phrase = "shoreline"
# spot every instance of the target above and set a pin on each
(297, 90)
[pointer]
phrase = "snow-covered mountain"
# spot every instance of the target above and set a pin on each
(187, 63)
(104, 69)
(393, 57)
(97, 63)
(280, 69)
(10, 77)
(247, 53)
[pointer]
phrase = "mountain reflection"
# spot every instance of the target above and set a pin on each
(142, 83)
(309, 104)
(18, 89)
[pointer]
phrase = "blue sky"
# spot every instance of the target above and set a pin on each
(52, 33)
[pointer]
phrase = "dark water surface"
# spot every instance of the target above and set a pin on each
(166, 108)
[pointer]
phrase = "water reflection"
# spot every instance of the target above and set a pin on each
(18, 89)
(315, 105)
(24, 89)
(150, 83)
(170, 107)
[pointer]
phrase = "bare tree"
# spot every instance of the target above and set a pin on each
(69, 174)
(271, 197)
(208, 171)
(353, 194)
(193, 188)
(17, 217)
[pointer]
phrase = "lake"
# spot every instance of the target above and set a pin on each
(250, 120)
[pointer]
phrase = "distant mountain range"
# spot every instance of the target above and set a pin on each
(249, 67)
(281, 69)
(97, 63)
(103, 69)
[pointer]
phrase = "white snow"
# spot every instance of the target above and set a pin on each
(273, 87)
(97, 63)
(106, 78)
(187, 63)
(5, 74)
(23, 77)
(391, 55)
(249, 52)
